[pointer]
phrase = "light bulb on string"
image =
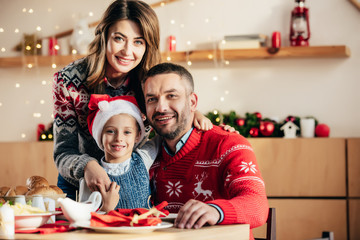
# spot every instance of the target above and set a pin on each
(38, 28)
(168, 59)
(3, 49)
(189, 63)
(23, 135)
(17, 85)
(91, 14)
(16, 30)
(215, 78)
(1, 30)
(29, 65)
(24, 10)
(31, 10)
(53, 65)
(227, 92)
(36, 115)
(43, 82)
(222, 99)
(42, 101)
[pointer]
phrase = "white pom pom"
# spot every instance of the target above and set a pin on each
(104, 106)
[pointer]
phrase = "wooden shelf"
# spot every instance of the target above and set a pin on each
(340, 51)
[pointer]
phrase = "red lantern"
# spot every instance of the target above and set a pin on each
(299, 27)
(254, 132)
(267, 128)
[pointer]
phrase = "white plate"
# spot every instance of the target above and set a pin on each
(170, 218)
(32, 221)
(145, 229)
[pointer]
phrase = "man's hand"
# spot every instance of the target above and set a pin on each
(95, 175)
(194, 214)
(110, 197)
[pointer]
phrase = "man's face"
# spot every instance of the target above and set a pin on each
(170, 105)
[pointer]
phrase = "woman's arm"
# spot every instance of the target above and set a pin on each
(71, 158)
(201, 122)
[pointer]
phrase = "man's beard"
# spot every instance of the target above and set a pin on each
(181, 124)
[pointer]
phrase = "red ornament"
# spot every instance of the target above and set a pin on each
(240, 122)
(39, 130)
(322, 130)
(254, 132)
(267, 128)
(171, 43)
(258, 115)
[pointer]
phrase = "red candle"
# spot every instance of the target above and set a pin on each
(53, 46)
(171, 43)
(276, 40)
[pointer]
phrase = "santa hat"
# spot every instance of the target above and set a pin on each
(103, 107)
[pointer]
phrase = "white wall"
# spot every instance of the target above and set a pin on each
(324, 88)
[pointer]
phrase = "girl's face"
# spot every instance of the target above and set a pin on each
(119, 136)
(125, 48)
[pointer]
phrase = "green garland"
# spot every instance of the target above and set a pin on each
(251, 120)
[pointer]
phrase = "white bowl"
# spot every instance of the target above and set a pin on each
(31, 221)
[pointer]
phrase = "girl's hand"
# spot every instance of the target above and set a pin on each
(110, 197)
(228, 128)
(201, 122)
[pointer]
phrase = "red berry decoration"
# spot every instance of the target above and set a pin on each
(254, 132)
(267, 128)
(322, 130)
(258, 115)
(240, 122)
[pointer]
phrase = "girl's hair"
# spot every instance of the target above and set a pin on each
(142, 14)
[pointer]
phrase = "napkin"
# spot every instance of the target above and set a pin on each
(48, 228)
(129, 217)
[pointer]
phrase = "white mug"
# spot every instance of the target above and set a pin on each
(20, 199)
(38, 201)
(307, 127)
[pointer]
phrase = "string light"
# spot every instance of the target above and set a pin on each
(1, 30)
(172, 21)
(43, 82)
(74, 51)
(215, 112)
(215, 78)
(3, 49)
(57, 47)
(189, 63)
(38, 28)
(28, 48)
(227, 92)
(91, 14)
(17, 85)
(23, 135)
(38, 45)
(1, 104)
(42, 101)
(24, 10)
(29, 65)
(168, 58)
(227, 62)
(36, 115)
(222, 99)
(192, 4)
(210, 56)
(53, 65)
(49, 10)
(16, 30)
(31, 10)
(162, 4)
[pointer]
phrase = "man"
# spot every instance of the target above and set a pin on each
(207, 177)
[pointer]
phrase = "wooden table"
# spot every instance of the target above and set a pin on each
(235, 231)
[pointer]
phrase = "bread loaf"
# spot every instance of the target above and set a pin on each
(10, 193)
(35, 182)
(42, 191)
(57, 189)
(21, 190)
(3, 191)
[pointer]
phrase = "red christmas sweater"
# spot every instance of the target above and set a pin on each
(215, 167)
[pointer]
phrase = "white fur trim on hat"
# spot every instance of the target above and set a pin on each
(112, 108)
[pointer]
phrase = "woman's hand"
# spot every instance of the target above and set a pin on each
(201, 122)
(95, 175)
(110, 197)
(228, 128)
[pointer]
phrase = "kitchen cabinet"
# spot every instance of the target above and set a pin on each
(312, 182)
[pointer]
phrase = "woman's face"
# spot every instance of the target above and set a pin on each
(125, 48)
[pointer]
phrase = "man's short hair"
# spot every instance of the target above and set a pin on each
(164, 68)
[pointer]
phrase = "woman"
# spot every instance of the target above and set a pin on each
(126, 45)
